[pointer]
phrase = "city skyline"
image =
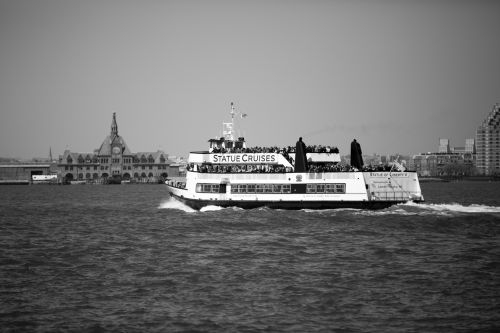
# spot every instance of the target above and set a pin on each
(397, 76)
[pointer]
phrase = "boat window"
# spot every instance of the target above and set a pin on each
(339, 188)
(325, 188)
(241, 188)
(207, 188)
(271, 188)
(311, 188)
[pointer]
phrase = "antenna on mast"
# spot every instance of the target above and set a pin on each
(233, 112)
(228, 129)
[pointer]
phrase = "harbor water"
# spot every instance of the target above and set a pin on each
(126, 258)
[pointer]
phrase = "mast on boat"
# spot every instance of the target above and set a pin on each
(228, 128)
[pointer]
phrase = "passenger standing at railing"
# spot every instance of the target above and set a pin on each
(300, 156)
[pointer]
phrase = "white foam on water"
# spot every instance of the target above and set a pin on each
(211, 208)
(330, 211)
(172, 203)
(386, 211)
(427, 209)
(453, 208)
(409, 208)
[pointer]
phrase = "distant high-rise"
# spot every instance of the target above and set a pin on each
(488, 143)
(444, 146)
(470, 146)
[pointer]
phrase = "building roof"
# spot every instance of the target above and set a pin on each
(493, 119)
(25, 166)
(112, 140)
(109, 141)
(156, 156)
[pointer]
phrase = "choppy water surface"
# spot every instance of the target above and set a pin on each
(128, 259)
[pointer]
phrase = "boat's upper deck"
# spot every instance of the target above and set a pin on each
(228, 154)
(274, 162)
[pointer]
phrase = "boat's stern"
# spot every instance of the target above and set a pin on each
(393, 186)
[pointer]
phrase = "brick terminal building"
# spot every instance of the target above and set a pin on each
(114, 162)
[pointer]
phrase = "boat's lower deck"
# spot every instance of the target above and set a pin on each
(288, 204)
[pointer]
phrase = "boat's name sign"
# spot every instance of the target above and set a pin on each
(244, 158)
(389, 174)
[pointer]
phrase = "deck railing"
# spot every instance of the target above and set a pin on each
(390, 196)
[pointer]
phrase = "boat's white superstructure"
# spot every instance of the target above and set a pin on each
(229, 174)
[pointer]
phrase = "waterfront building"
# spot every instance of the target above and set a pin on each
(448, 161)
(23, 172)
(113, 161)
(443, 164)
(15, 171)
(488, 144)
(374, 159)
(425, 164)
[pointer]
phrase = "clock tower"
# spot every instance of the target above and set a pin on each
(116, 149)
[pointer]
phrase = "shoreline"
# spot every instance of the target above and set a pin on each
(457, 179)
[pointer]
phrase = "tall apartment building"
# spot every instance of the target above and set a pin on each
(488, 144)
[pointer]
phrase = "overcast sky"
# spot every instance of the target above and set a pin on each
(396, 75)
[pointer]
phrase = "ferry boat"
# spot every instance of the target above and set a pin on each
(44, 179)
(231, 175)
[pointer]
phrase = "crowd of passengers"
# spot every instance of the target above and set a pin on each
(338, 167)
(264, 168)
(271, 168)
(276, 150)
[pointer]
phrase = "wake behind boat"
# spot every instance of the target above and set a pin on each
(231, 175)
